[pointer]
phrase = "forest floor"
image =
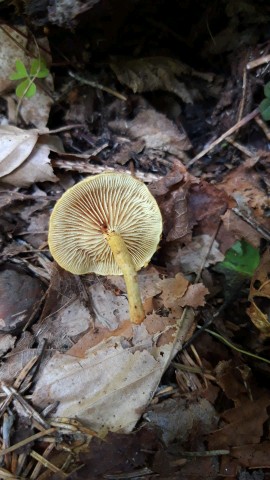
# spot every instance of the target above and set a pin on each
(177, 95)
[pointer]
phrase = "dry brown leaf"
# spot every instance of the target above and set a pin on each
(156, 131)
(201, 252)
(173, 289)
(259, 292)
(156, 73)
(229, 378)
(171, 193)
(243, 424)
(246, 186)
(237, 229)
(252, 456)
(207, 204)
(194, 296)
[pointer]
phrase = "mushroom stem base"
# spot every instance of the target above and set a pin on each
(125, 263)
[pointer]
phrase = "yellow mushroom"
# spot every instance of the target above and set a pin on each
(109, 224)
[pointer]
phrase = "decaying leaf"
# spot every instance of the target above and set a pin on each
(23, 160)
(36, 110)
(238, 229)
(245, 185)
(117, 359)
(242, 424)
(201, 252)
(27, 290)
(177, 420)
(155, 130)
(171, 193)
(156, 73)
(259, 296)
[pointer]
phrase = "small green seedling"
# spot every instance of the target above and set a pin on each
(242, 258)
(27, 87)
(264, 106)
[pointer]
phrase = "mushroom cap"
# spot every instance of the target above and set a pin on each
(104, 203)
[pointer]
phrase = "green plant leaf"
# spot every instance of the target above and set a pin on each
(264, 108)
(38, 68)
(266, 90)
(26, 89)
(21, 71)
(242, 258)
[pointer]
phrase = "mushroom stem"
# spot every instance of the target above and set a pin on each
(125, 263)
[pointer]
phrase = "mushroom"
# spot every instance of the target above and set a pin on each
(109, 224)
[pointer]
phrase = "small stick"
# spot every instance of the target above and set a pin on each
(84, 167)
(263, 126)
(229, 132)
(97, 85)
(26, 441)
(259, 61)
(240, 147)
(46, 463)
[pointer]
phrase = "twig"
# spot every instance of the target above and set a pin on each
(259, 61)
(207, 453)
(263, 126)
(41, 424)
(39, 464)
(240, 147)
(234, 347)
(244, 91)
(83, 167)
(47, 464)
(26, 441)
(262, 231)
(96, 85)
(229, 132)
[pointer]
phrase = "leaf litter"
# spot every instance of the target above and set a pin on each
(156, 398)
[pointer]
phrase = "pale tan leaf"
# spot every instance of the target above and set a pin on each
(36, 168)
(36, 110)
(15, 147)
(109, 376)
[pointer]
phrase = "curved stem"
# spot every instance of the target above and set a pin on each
(125, 263)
